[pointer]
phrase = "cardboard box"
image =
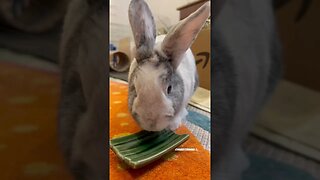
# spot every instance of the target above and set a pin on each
(202, 54)
(189, 8)
(300, 43)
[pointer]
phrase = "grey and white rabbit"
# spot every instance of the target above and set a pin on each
(163, 75)
(247, 67)
(83, 120)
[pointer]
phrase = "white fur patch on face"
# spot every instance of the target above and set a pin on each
(151, 104)
(148, 77)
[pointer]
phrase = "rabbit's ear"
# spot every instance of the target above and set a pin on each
(181, 37)
(143, 28)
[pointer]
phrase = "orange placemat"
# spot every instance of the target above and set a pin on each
(176, 165)
(28, 121)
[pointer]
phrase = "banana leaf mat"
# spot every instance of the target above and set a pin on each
(176, 165)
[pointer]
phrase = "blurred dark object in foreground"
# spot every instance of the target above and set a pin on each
(247, 67)
(305, 5)
(44, 45)
(32, 26)
(32, 15)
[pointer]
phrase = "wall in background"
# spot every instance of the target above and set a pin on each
(164, 11)
(301, 44)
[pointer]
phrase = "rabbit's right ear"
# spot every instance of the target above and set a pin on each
(143, 28)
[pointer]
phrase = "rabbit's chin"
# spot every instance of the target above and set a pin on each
(176, 122)
(174, 125)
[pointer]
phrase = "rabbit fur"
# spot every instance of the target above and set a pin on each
(163, 75)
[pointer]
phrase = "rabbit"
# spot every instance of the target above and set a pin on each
(246, 70)
(163, 75)
(82, 117)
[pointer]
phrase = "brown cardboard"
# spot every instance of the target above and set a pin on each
(189, 8)
(125, 47)
(202, 55)
(119, 61)
(300, 43)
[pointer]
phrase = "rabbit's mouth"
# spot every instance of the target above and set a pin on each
(155, 124)
(169, 115)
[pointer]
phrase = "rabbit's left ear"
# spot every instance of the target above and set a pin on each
(181, 37)
(143, 28)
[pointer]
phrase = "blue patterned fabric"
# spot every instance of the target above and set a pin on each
(199, 120)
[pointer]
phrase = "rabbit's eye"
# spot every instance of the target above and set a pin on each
(169, 89)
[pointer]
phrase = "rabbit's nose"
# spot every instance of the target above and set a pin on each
(153, 125)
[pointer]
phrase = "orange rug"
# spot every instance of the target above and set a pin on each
(28, 140)
(176, 165)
